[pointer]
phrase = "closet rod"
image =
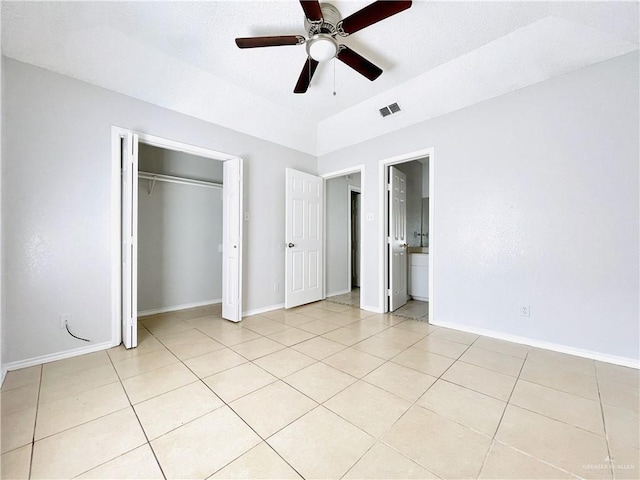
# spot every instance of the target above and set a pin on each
(170, 179)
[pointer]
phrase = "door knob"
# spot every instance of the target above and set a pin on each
(291, 245)
(405, 245)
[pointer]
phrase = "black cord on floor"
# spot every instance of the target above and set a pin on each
(75, 336)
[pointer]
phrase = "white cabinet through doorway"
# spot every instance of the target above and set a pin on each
(419, 276)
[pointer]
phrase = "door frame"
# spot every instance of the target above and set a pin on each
(350, 190)
(116, 213)
(328, 176)
(383, 253)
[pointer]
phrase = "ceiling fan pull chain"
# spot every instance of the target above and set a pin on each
(334, 76)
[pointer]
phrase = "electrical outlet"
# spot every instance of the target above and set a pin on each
(246, 216)
(64, 320)
(525, 310)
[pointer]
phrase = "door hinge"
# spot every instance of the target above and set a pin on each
(389, 293)
(389, 187)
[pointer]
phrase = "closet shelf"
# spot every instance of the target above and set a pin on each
(157, 177)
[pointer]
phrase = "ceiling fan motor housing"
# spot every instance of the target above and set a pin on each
(322, 45)
(330, 19)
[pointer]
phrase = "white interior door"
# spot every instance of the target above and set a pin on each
(397, 239)
(232, 240)
(303, 259)
(129, 151)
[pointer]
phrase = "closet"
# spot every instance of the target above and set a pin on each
(179, 230)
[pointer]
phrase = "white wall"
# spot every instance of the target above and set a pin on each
(338, 235)
(2, 283)
(179, 230)
(57, 205)
(536, 203)
(179, 164)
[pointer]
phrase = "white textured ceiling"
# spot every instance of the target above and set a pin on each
(182, 56)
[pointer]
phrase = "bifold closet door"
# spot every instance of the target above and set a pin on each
(232, 240)
(129, 151)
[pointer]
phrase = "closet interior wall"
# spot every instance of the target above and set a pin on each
(179, 232)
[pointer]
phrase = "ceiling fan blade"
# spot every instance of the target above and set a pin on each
(253, 42)
(306, 75)
(312, 10)
(371, 14)
(358, 63)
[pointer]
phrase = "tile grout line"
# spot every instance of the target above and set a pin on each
(545, 462)
(139, 423)
(234, 412)
(494, 440)
(82, 423)
(558, 390)
(413, 404)
(571, 394)
(317, 403)
(254, 431)
(612, 469)
(506, 405)
(35, 422)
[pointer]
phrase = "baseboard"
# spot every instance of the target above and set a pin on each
(30, 362)
(341, 292)
(602, 357)
(369, 308)
(257, 311)
(173, 308)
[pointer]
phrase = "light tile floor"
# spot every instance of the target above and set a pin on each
(415, 309)
(351, 298)
(320, 391)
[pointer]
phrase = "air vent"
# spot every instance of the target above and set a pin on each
(384, 111)
(389, 110)
(394, 107)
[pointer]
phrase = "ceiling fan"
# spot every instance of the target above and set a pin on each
(323, 24)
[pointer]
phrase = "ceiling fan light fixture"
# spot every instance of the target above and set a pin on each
(322, 47)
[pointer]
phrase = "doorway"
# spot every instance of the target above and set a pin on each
(179, 171)
(179, 231)
(356, 240)
(406, 260)
(343, 238)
